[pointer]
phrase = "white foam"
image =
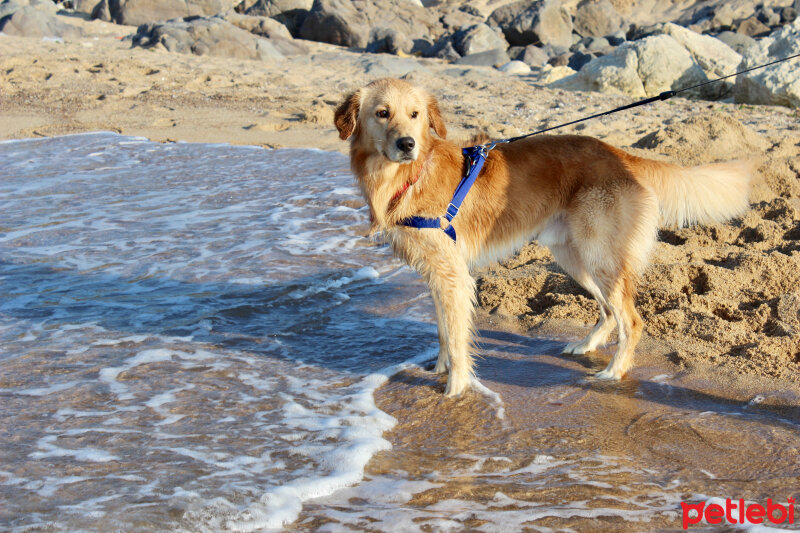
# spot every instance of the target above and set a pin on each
(360, 274)
(49, 449)
(360, 426)
(43, 391)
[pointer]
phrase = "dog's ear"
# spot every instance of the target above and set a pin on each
(346, 116)
(435, 118)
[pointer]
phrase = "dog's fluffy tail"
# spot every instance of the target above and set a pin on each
(700, 195)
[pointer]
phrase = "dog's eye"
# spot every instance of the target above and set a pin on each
(383, 113)
(414, 114)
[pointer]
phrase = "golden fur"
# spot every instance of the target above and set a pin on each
(596, 207)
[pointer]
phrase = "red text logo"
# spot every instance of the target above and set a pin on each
(737, 512)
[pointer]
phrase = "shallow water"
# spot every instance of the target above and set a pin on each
(193, 337)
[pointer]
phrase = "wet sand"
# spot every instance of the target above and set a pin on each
(566, 451)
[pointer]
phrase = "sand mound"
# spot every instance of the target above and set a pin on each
(727, 294)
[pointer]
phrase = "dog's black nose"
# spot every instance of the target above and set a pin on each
(406, 144)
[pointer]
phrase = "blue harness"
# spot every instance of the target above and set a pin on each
(476, 156)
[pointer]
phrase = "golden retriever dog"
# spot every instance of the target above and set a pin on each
(597, 209)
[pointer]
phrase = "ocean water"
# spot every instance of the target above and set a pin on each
(200, 338)
(190, 334)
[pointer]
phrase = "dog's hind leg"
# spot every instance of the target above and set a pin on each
(568, 259)
(443, 361)
(630, 328)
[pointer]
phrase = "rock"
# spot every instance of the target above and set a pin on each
(775, 85)
(534, 56)
(335, 22)
(9, 7)
(767, 16)
(478, 38)
(86, 7)
(30, 21)
(737, 41)
(136, 12)
(561, 60)
(616, 39)
(444, 49)
(263, 26)
(636, 32)
(541, 22)
(578, 60)
(551, 74)
(597, 18)
(723, 17)
(788, 15)
(272, 8)
(515, 67)
(641, 68)
(485, 59)
(270, 29)
(206, 36)
(752, 27)
(350, 22)
(290, 13)
(716, 58)
(388, 41)
(598, 44)
(456, 19)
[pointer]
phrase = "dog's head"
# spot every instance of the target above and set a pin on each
(390, 117)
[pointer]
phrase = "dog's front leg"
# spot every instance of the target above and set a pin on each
(443, 361)
(454, 288)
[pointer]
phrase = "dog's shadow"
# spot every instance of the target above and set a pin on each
(533, 363)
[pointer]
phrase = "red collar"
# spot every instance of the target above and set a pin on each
(415, 179)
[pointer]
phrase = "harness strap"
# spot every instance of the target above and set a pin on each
(476, 155)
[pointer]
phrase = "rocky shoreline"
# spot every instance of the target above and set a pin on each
(617, 47)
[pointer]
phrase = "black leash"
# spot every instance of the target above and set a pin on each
(476, 155)
(666, 95)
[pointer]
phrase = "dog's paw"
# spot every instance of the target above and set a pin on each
(456, 386)
(442, 365)
(576, 348)
(608, 375)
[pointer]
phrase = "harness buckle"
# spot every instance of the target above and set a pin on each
(451, 212)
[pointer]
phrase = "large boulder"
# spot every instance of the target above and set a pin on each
(489, 58)
(335, 22)
(358, 23)
(271, 29)
(206, 36)
(478, 38)
(597, 18)
(135, 12)
(8, 7)
(389, 41)
(641, 68)
(291, 13)
(31, 21)
(737, 41)
(716, 58)
(778, 84)
(541, 22)
(271, 8)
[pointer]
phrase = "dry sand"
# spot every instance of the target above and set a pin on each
(726, 295)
